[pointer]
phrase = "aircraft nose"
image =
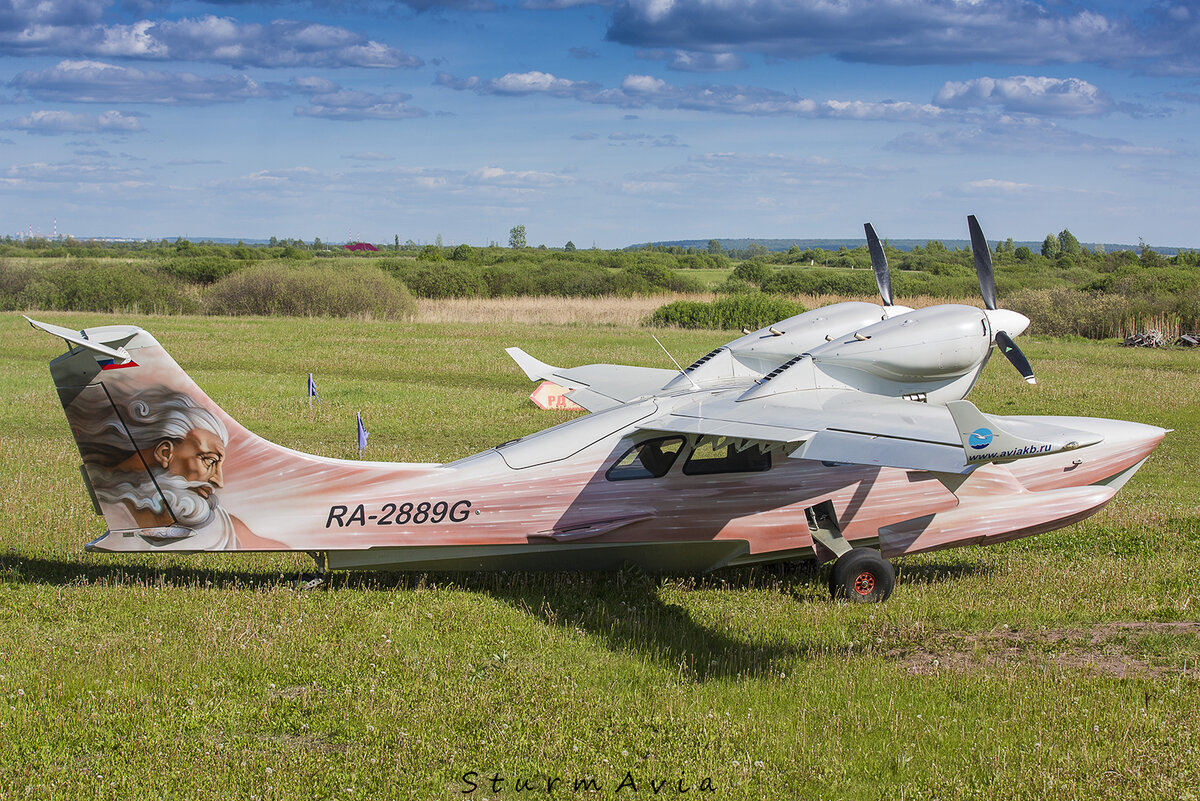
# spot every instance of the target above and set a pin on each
(1011, 322)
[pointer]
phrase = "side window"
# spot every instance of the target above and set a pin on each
(649, 459)
(705, 459)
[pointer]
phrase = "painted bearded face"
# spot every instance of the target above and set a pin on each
(197, 458)
(186, 475)
(188, 471)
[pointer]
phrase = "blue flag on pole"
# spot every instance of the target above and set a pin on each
(362, 433)
(312, 387)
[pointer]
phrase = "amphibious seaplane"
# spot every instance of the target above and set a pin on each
(840, 434)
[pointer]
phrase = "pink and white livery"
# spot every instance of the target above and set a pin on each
(839, 434)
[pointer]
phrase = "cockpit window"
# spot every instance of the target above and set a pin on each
(705, 459)
(649, 459)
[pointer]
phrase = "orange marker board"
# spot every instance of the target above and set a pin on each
(549, 395)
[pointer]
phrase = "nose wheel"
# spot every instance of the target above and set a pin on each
(862, 575)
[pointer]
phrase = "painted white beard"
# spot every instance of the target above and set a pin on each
(191, 509)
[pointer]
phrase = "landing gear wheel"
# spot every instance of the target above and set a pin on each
(862, 575)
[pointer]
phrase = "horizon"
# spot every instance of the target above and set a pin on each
(602, 122)
(727, 243)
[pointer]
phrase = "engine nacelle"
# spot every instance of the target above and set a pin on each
(765, 350)
(932, 344)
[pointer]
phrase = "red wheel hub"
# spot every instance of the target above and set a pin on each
(864, 583)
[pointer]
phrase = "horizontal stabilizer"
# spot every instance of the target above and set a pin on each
(596, 387)
(76, 338)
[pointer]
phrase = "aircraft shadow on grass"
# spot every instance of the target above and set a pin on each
(624, 610)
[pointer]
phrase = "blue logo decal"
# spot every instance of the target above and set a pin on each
(980, 438)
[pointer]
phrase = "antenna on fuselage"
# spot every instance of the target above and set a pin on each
(682, 372)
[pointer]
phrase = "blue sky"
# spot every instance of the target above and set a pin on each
(602, 123)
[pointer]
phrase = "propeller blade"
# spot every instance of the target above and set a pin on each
(983, 263)
(883, 277)
(1014, 355)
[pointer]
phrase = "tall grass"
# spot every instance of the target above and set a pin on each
(539, 310)
(1061, 311)
(360, 291)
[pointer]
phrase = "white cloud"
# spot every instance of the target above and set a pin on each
(647, 91)
(60, 122)
(468, 186)
(884, 31)
(645, 84)
(1027, 94)
(99, 82)
(692, 61)
(535, 82)
(993, 186)
(643, 139)
(725, 174)
(329, 101)
(523, 180)
(223, 40)
(43, 14)
(1020, 136)
(78, 172)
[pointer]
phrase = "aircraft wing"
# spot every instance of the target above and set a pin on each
(850, 427)
(596, 387)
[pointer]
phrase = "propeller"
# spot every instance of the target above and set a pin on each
(983, 263)
(1014, 355)
(883, 276)
(1002, 320)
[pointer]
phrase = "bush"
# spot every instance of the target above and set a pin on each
(735, 286)
(311, 291)
(202, 270)
(819, 281)
(86, 286)
(647, 276)
(446, 280)
(1061, 311)
(753, 272)
(431, 253)
(747, 310)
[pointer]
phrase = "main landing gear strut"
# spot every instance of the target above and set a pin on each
(322, 569)
(862, 575)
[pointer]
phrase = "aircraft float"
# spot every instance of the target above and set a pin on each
(840, 434)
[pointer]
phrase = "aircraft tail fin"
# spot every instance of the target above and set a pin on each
(170, 470)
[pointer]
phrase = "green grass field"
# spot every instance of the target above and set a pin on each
(1065, 666)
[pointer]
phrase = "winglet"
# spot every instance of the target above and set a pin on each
(536, 370)
(118, 355)
(983, 440)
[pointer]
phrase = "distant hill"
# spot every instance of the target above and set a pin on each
(779, 245)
